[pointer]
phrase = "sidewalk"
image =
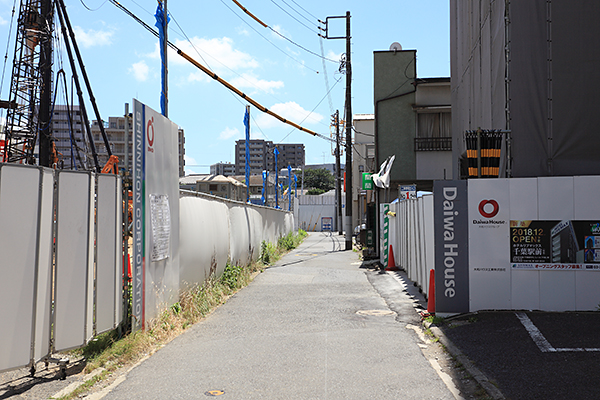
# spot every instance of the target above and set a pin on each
(310, 327)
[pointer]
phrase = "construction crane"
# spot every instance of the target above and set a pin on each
(23, 106)
(29, 107)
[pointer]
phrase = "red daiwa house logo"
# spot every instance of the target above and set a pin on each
(488, 212)
(149, 129)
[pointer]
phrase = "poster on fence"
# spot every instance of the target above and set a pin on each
(155, 281)
(557, 245)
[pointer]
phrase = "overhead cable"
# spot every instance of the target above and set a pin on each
(264, 37)
(296, 19)
(254, 17)
(216, 77)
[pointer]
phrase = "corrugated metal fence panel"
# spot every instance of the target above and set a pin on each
(74, 275)
(44, 284)
(429, 239)
(107, 265)
(19, 203)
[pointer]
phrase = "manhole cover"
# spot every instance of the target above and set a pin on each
(375, 312)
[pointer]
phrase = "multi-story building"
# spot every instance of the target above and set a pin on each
(225, 169)
(262, 158)
(412, 120)
(530, 70)
(120, 140)
(72, 148)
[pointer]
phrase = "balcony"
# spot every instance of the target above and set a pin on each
(433, 144)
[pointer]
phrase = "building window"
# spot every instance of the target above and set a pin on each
(434, 132)
(212, 188)
(430, 125)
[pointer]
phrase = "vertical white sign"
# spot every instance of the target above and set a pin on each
(489, 244)
(156, 214)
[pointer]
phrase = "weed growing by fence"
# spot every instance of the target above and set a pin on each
(111, 352)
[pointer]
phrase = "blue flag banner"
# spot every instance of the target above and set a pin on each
(161, 25)
(265, 175)
(295, 186)
(276, 153)
(247, 125)
(289, 188)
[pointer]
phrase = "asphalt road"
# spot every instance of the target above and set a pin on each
(310, 327)
(560, 361)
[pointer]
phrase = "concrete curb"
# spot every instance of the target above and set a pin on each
(479, 376)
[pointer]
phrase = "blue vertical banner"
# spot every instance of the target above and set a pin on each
(289, 188)
(161, 24)
(264, 191)
(295, 185)
(247, 125)
(276, 153)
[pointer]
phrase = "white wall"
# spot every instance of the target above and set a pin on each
(214, 230)
(495, 283)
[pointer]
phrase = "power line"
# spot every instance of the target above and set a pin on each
(273, 44)
(244, 9)
(319, 103)
(216, 77)
(295, 19)
(305, 10)
(300, 14)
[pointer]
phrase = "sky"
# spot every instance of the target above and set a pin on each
(280, 66)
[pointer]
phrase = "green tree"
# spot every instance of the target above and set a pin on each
(321, 179)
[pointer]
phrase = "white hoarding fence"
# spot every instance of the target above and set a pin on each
(533, 243)
(236, 232)
(50, 270)
(411, 237)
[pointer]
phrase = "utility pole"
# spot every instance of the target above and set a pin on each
(348, 70)
(348, 223)
(338, 173)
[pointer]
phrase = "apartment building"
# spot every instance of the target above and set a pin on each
(262, 158)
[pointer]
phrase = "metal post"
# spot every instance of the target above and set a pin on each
(126, 139)
(348, 168)
(45, 136)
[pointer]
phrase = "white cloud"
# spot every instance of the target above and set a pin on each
(290, 110)
(189, 161)
(242, 31)
(333, 56)
(228, 133)
(91, 37)
(3, 21)
(218, 53)
(140, 71)
(281, 31)
(248, 80)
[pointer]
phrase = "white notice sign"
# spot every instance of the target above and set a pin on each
(160, 217)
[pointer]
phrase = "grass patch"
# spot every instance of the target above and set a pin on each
(111, 352)
(437, 321)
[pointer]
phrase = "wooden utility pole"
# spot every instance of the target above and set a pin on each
(348, 137)
(348, 169)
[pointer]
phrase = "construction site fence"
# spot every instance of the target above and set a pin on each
(411, 238)
(215, 231)
(61, 264)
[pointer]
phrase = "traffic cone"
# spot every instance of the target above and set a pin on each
(431, 293)
(391, 262)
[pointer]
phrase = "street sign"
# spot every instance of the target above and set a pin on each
(367, 181)
(408, 192)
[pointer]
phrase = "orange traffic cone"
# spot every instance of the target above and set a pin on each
(431, 293)
(391, 262)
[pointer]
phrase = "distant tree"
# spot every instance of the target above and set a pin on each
(321, 179)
